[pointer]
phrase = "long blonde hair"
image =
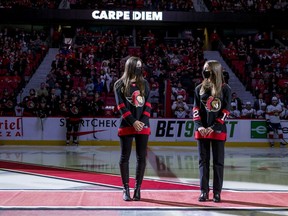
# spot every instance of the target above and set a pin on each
(215, 81)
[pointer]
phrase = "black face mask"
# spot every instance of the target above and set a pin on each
(206, 74)
(138, 71)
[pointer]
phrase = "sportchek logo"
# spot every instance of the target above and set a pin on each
(258, 130)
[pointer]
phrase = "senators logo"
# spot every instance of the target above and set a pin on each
(136, 99)
(9, 104)
(63, 107)
(74, 110)
(30, 104)
(213, 104)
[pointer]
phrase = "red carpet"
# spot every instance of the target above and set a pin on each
(150, 199)
(89, 177)
(155, 194)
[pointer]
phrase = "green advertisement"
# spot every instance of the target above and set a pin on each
(258, 130)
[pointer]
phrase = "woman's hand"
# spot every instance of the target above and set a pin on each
(202, 131)
(205, 131)
(138, 125)
(209, 130)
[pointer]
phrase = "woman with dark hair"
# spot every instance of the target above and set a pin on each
(132, 96)
(211, 108)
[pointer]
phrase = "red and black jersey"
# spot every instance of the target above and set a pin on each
(7, 104)
(211, 112)
(30, 105)
(74, 110)
(132, 108)
(96, 107)
(43, 110)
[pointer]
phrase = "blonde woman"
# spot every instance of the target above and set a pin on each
(211, 108)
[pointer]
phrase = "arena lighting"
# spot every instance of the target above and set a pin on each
(127, 15)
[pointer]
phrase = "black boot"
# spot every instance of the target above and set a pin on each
(126, 193)
(137, 195)
(140, 170)
(124, 170)
(204, 196)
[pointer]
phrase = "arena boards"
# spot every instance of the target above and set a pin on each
(103, 131)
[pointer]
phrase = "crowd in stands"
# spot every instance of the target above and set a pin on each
(164, 5)
(89, 67)
(21, 52)
(248, 6)
(259, 6)
(262, 66)
(263, 70)
(258, 109)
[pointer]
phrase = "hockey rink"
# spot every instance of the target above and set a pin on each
(85, 180)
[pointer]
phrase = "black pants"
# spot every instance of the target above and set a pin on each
(72, 129)
(141, 142)
(204, 147)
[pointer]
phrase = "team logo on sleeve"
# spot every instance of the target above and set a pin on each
(136, 99)
(213, 104)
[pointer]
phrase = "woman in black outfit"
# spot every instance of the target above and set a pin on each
(211, 108)
(133, 102)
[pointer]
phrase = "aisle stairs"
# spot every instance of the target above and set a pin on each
(40, 74)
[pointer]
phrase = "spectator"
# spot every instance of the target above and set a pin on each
(237, 101)
(53, 101)
(89, 87)
(68, 83)
(19, 110)
(154, 94)
(226, 76)
(7, 103)
(99, 85)
(179, 90)
(258, 102)
(50, 81)
(261, 112)
(214, 39)
(234, 112)
(57, 62)
(180, 107)
(248, 112)
(29, 103)
(284, 113)
(58, 91)
(43, 109)
(85, 101)
(96, 106)
(260, 87)
(181, 113)
(42, 91)
(107, 82)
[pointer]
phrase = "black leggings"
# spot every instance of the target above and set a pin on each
(141, 148)
(141, 152)
(72, 129)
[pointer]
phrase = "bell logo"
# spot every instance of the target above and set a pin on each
(258, 130)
